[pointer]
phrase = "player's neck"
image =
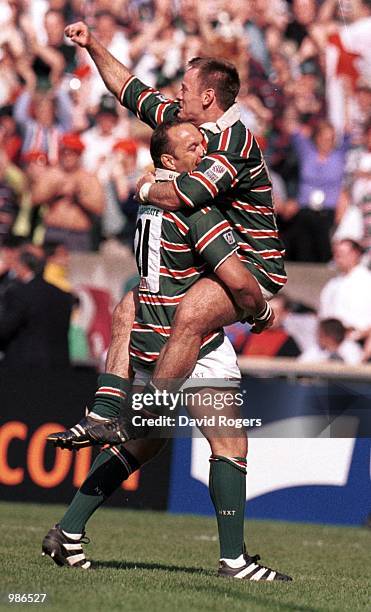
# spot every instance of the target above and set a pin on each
(163, 174)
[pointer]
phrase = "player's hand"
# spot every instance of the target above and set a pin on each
(149, 177)
(79, 33)
(259, 326)
(263, 320)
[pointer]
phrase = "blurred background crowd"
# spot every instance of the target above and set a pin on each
(70, 155)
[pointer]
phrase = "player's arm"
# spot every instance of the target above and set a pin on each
(214, 175)
(213, 239)
(146, 103)
(246, 293)
(113, 72)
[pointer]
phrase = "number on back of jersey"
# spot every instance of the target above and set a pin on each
(147, 245)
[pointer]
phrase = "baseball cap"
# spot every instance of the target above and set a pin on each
(126, 146)
(72, 141)
(33, 155)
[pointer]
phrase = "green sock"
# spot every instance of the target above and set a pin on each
(111, 395)
(109, 469)
(227, 487)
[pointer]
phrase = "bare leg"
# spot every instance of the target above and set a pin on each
(207, 306)
(228, 441)
(117, 361)
(144, 450)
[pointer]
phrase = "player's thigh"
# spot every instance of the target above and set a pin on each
(219, 411)
(206, 306)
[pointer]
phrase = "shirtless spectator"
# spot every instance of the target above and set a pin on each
(73, 198)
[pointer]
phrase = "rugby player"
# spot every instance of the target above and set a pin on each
(189, 244)
(232, 176)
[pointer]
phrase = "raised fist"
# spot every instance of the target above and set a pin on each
(79, 33)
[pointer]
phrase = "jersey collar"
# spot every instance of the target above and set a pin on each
(161, 174)
(230, 117)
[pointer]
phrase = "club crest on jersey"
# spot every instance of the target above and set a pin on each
(215, 172)
(228, 237)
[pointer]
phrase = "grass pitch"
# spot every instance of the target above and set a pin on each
(152, 562)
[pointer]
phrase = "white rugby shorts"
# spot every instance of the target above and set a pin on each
(218, 369)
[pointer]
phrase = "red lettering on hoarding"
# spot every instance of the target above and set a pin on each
(35, 458)
(8, 432)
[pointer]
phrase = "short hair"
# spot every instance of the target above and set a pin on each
(220, 75)
(334, 329)
(160, 141)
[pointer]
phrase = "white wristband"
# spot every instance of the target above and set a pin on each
(143, 194)
(265, 314)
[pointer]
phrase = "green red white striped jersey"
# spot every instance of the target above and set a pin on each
(173, 250)
(232, 175)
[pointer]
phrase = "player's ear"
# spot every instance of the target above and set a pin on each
(208, 97)
(167, 161)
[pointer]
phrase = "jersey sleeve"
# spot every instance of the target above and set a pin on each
(212, 237)
(146, 103)
(233, 159)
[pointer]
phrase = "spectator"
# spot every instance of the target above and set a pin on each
(321, 168)
(332, 345)
(100, 139)
(11, 187)
(46, 61)
(358, 189)
(298, 30)
(10, 139)
(347, 297)
(73, 198)
(57, 265)
(275, 342)
(112, 37)
(123, 182)
(9, 252)
(282, 50)
(34, 322)
(360, 111)
(54, 26)
(43, 118)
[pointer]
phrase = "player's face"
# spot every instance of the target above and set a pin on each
(190, 99)
(187, 148)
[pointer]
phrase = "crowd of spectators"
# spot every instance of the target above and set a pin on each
(340, 330)
(292, 56)
(70, 154)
